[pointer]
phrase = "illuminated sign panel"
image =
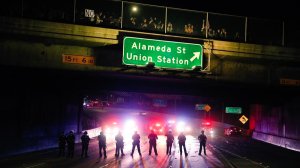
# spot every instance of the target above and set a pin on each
(243, 119)
(293, 82)
(233, 110)
(200, 106)
(164, 54)
(205, 107)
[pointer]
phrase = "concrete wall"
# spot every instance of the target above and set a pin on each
(35, 107)
(277, 124)
(288, 143)
(39, 54)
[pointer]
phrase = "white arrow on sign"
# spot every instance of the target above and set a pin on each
(196, 55)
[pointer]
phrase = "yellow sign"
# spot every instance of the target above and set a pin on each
(207, 108)
(243, 119)
(77, 59)
(293, 82)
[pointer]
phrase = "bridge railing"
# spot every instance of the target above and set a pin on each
(143, 17)
(98, 13)
(157, 19)
(226, 27)
(186, 22)
(54, 10)
(262, 31)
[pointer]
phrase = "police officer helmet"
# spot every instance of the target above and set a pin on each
(85, 132)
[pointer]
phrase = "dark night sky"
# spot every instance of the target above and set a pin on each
(276, 9)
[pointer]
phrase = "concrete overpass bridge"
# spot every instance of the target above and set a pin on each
(47, 68)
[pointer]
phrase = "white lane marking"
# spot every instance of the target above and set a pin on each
(241, 157)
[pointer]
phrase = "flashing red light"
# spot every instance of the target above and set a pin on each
(157, 124)
(206, 123)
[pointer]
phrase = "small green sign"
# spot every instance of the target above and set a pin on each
(233, 110)
(164, 54)
(200, 106)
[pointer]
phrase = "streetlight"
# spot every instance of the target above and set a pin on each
(134, 9)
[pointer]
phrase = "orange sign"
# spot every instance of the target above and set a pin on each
(207, 108)
(243, 119)
(77, 59)
(293, 82)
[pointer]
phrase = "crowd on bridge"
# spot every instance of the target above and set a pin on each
(69, 141)
(152, 23)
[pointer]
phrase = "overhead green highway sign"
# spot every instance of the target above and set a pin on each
(163, 54)
(233, 110)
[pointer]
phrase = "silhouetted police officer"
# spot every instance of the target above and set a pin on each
(181, 141)
(85, 139)
(170, 139)
(62, 144)
(102, 144)
(152, 142)
(136, 142)
(119, 144)
(71, 144)
(202, 139)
